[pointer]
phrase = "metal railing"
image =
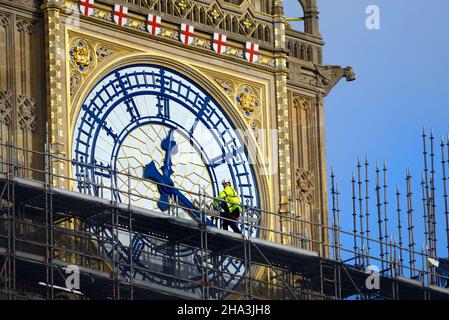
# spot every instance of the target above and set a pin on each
(121, 254)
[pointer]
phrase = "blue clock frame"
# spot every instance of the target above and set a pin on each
(148, 94)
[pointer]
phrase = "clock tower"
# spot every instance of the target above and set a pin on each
(135, 94)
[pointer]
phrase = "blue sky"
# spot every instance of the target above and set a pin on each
(402, 86)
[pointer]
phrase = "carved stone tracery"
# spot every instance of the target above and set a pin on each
(6, 107)
(86, 56)
(26, 110)
(305, 185)
(25, 26)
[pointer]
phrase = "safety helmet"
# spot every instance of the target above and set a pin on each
(226, 181)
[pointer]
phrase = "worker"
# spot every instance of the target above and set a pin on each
(442, 268)
(228, 200)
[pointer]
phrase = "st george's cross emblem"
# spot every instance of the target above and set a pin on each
(186, 34)
(87, 7)
(154, 24)
(120, 14)
(252, 52)
(219, 43)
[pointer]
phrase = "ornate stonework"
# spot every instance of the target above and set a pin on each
(248, 100)
(246, 97)
(246, 23)
(24, 25)
(301, 102)
(82, 56)
(329, 76)
(86, 55)
(6, 106)
(305, 185)
(256, 127)
(26, 109)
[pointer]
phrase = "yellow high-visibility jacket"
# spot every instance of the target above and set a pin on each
(231, 197)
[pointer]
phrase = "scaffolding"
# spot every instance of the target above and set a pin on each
(127, 252)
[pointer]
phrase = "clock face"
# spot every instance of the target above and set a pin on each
(164, 130)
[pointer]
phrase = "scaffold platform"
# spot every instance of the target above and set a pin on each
(35, 251)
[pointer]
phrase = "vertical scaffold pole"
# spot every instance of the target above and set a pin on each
(445, 194)
(299, 234)
(361, 216)
(354, 219)
(14, 219)
(425, 213)
(385, 194)
(432, 204)
(334, 215)
(367, 198)
(203, 261)
(410, 224)
(206, 248)
(115, 245)
(49, 218)
(426, 194)
(447, 214)
(291, 217)
(338, 225)
(131, 244)
(10, 274)
(379, 217)
(400, 244)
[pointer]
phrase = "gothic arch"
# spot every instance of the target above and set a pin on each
(311, 24)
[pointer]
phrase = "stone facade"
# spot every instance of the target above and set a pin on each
(51, 55)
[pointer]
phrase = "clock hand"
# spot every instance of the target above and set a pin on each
(171, 148)
(165, 184)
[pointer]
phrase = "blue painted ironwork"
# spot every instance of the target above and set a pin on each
(97, 136)
(165, 184)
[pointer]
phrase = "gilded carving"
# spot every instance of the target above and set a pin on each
(171, 34)
(215, 15)
(248, 24)
(245, 97)
(234, 52)
(227, 85)
(104, 52)
(75, 82)
(183, 8)
(82, 55)
(85, 56)
(248, 100)
(202, 43)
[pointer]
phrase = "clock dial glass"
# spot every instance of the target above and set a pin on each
(172, 138)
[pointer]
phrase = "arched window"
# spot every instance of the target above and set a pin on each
(235, 25)
(260, 32)
(267, 34)
(203, 15)
(296, 50)
(302, 54)
(228, 24)
(293, 9)
(309, 54)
